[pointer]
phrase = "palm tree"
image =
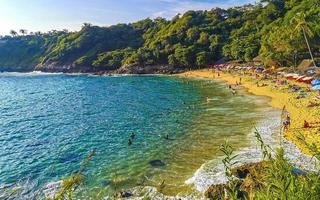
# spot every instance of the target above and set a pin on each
(23, 31)
(301, 25)
(13, 33)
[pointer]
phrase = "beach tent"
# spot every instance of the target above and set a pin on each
(315, 82)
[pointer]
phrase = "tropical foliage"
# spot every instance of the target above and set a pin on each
(273, 178)
(281, 31)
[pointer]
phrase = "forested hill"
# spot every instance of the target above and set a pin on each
(272, 29)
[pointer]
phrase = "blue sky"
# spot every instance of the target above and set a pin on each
(44, 15)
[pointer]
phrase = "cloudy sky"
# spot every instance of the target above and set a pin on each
(44, 15)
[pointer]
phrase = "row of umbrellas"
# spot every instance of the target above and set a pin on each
(305, 79)
(291, 76)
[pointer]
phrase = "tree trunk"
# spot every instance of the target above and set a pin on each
(305, 37)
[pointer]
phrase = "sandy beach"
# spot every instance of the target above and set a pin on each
(281, 96)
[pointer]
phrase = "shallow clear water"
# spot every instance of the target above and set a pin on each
(49, 124)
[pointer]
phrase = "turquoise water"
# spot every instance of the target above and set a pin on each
(50, 123)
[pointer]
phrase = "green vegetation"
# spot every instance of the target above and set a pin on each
(281, 32)
(273, 178)
(71, 183)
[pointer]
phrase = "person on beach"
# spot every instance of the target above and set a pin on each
(288, 121)
(285, 126)
(306, 124)
(233, 91)
(133, 135)
(240, 81)
(129, 142)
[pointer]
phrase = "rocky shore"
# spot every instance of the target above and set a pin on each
(127, 69)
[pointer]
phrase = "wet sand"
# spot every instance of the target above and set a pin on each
(280, 96)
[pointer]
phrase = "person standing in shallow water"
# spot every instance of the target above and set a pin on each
(129, 142)
(133, 135)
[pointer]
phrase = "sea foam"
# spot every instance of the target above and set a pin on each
(212, 172)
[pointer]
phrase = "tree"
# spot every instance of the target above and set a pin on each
(13, 33)
(202, 59)
(301, 25)
(172, 61)
(204, 38)
(23, 31)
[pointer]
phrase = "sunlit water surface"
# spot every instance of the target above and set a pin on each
(50, 123)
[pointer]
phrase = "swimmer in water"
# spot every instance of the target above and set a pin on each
(133, 135)
(129, 142)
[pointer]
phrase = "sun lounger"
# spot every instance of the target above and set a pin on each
(302, 95)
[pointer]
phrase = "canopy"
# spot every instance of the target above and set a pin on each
(289, 75)
(315, 82)
(300, 78)
(317, 87)
(307, 78)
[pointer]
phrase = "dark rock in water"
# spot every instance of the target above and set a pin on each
(105, 183)
(157, 163)
(125, 194)
(70, 158)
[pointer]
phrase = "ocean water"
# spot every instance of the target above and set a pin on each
(49, 124)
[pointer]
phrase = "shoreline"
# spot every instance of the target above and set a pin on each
(248, 154)
(279, 97)
(212, 172)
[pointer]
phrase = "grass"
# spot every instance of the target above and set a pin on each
(274, 178)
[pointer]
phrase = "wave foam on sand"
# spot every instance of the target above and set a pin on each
(212, 172)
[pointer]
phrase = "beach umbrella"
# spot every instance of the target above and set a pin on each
(315, 82)
(292, 76)
(307, 80)
(288, 75)
(295, 76)
(299, 79)
(317, 88)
